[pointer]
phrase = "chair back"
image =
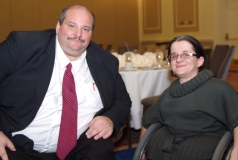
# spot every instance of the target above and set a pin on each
(101, 45)
(123, 49)
(109, 47)
(217, 60)
(226, 63)
(208, 53)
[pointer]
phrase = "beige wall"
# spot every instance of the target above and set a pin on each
(117, 20)
(204, 33)
(120, 21)
(213, 15)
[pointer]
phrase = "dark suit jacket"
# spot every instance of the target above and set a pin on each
(26, 65)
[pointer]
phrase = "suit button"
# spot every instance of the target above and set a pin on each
(12, 128)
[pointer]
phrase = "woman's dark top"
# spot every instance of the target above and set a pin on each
(195, 115)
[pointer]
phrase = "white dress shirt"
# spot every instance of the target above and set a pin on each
(44, 129)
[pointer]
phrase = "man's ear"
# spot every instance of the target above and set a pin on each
(57, 27)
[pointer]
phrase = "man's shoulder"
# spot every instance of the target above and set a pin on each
(32, 34)
(97, 55)
(93, 48)
(30, 39)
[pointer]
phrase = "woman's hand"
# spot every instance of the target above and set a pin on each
(234, 154)
(143, 157)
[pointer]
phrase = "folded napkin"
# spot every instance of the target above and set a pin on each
(145, 60)
(121, 59)
(138, 60)
(151, 57)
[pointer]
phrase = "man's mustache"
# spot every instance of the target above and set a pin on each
(72, 38)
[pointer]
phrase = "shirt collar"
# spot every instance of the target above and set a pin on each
(63, 59)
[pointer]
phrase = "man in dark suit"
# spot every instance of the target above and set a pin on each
(32, 65)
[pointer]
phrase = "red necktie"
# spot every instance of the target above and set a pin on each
(68, 126)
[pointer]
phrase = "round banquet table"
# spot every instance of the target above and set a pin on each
(144, 83)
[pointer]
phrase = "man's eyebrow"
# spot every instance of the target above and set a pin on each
(87, 26)
(72, 22)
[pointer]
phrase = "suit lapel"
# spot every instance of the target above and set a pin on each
(95, 64)
(45, 70)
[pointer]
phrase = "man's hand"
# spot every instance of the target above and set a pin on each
(100, 127)
(5, 142)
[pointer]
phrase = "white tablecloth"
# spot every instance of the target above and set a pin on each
(141, 84)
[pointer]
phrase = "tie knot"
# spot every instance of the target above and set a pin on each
(69, 66)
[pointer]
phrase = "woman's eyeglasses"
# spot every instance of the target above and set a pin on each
(183, 55)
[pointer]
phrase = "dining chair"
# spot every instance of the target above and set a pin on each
(123, 49)
(109, 47)
(121, 132)
(208, 53)
(217, 59)
(226, 63)
(222, 151)
(101, 45)
(148, 102)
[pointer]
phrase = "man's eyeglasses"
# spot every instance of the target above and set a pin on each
(184, 55)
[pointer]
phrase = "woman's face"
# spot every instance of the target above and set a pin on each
(185, 67)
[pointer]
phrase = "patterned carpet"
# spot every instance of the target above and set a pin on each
(125, 154)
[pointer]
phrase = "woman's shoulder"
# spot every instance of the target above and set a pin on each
(218, 84)
(211, 80)
(217, 81)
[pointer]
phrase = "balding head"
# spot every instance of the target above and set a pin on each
(63, 13)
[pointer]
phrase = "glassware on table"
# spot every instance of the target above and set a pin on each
(129, 66)
(159, 56)
(128, 59)
(166, 62)
(128, 56)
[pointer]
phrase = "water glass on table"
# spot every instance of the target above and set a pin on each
(159, 56)
(128, 58)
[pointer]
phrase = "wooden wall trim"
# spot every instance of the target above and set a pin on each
(185, 15)
(152, 16)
